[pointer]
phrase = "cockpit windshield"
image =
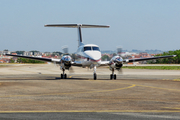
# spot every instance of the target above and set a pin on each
(87, 48)
(91, 48)
(96, 48)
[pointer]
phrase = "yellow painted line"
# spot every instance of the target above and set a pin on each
(100, 111)
(159, 88)
(146, 86)
(111, 81)
(113, 89)
(70, 76)
(176, 79)
(71, 92)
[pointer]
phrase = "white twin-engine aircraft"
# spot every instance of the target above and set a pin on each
(89, 55)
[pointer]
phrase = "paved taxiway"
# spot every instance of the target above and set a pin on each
(36, 91)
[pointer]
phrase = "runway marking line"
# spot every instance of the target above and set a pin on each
(97, 111)
(146, 86)
(176, 79)
(158, 88)
(104, 111)
(110, 90)
(141, 85)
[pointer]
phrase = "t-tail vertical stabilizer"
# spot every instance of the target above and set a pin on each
(78, 26)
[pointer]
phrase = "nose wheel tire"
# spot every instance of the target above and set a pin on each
(114, 76)
(61, 76)
(95, 76)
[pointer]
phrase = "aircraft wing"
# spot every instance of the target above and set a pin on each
(143, 59)
(36, 58)
(105, 63)
(76, 63)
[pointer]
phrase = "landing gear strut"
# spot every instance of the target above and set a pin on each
(113, 76)
(63, 76)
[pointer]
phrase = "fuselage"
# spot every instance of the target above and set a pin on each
(89, 55)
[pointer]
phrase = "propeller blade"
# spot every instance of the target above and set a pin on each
(55, 65)
(71, 70)
(120, 71)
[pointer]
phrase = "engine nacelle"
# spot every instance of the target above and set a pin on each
(116, 63)
(66, 62)
(118, 66)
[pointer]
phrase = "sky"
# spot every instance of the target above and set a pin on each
(134, 24)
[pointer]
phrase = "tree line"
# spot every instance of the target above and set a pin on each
(24, 60)
(172, 60)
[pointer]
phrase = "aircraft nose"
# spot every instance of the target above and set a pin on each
(68, 59)
(119, 59)
(94, 55)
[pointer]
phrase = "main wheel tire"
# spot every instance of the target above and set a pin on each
(95, 77)
(111, 76)
(65, 76)
(61, 76)
(114, 76)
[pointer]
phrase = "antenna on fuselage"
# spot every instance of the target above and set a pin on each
(79, 26)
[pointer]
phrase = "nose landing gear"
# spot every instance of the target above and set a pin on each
(95, 76)
(63, 76)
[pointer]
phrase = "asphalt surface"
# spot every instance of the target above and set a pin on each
(38, 92)
(90, 116)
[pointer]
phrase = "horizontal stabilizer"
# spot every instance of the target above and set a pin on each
(77, 25)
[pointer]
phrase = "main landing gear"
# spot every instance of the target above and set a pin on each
(63, 76)
(113, 76)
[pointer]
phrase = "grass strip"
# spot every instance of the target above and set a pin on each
(3, 65)
(153, 67)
